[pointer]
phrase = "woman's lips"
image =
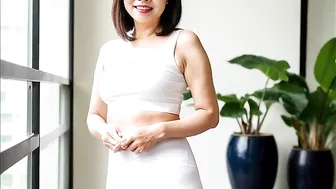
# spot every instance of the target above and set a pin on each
(143, 9)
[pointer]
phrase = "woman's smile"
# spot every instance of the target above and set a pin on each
(143, 8)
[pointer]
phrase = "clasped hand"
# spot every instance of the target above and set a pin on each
(141, 139)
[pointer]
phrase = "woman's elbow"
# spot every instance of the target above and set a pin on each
(213, 118)
(215, 121)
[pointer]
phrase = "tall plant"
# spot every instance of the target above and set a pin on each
(248, 108)
(314, 124)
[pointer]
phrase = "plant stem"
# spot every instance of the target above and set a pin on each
(324, 104)
(249, 125)
(262, 98)
(240, 126)
(246, 117)
(244, 126)
(250, 120)
(262, 120)
(320, 137)
(303, 138)
(328, 143)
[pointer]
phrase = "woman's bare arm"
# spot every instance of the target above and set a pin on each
(96, 118)
(198, 74)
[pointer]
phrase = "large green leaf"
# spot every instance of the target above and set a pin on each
(292, 122)
(297, 80)
(233, 110)
(269, 103)
(254, 109)
(228, 98)
(325, 66)
(332, 94)
(313, 111)
(274, 69)
(232, 98)
(331, 120)
(296, 84)
(289, 121)
(330, 123)
(291, 96)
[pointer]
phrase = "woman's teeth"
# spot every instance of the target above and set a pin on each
(144, 8)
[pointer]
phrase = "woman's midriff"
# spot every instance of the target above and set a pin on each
(142, 119)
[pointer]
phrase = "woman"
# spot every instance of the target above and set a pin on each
(138, 87)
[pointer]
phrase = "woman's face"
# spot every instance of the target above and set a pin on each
(145, 11)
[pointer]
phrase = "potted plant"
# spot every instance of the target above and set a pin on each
(311, 164)
(252, 156)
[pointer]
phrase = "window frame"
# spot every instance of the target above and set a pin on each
(31, 145)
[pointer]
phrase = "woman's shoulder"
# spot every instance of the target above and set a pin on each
(188, 38)
(112, 44)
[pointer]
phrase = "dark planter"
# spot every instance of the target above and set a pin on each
(309, 169)
(252, 161)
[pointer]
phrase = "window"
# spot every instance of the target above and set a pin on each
(5, 138)
(49, 166)
(54, 37)
(16, 177)
(6, 180)
(3, 96)
(13, 110)
(6, 118)
(35, 110)
(49, 107)
(14, 31)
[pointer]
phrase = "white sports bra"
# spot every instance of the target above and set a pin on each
(140, 79)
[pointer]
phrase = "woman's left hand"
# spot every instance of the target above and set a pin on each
(144, 138)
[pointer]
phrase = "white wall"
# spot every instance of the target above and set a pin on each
(226, 28)
(92, 29)
(321, 27)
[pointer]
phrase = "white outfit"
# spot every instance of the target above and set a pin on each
(146, 79)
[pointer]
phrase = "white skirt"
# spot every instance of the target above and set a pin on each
(169, 165)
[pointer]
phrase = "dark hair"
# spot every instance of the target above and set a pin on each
(124, 23)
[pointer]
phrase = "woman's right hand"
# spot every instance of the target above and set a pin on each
(112, 138)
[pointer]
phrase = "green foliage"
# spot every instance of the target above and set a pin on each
(314, 124)
(291, 96)
(325, 67)
(187, 95)
(273, 69)
(248, 107)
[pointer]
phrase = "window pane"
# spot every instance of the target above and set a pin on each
(16, 177)
(13, 111)
(14, 31)
(49, 162)
(54, 37)
(49, 107)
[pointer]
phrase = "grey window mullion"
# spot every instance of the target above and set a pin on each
(24, 73)
(35, 91)
(12, 155)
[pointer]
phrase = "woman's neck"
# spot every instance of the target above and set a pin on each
(143, 31)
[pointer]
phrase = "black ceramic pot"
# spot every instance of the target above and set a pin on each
(310, 169)
(252, 161)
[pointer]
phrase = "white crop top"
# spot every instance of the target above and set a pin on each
(140, 79)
